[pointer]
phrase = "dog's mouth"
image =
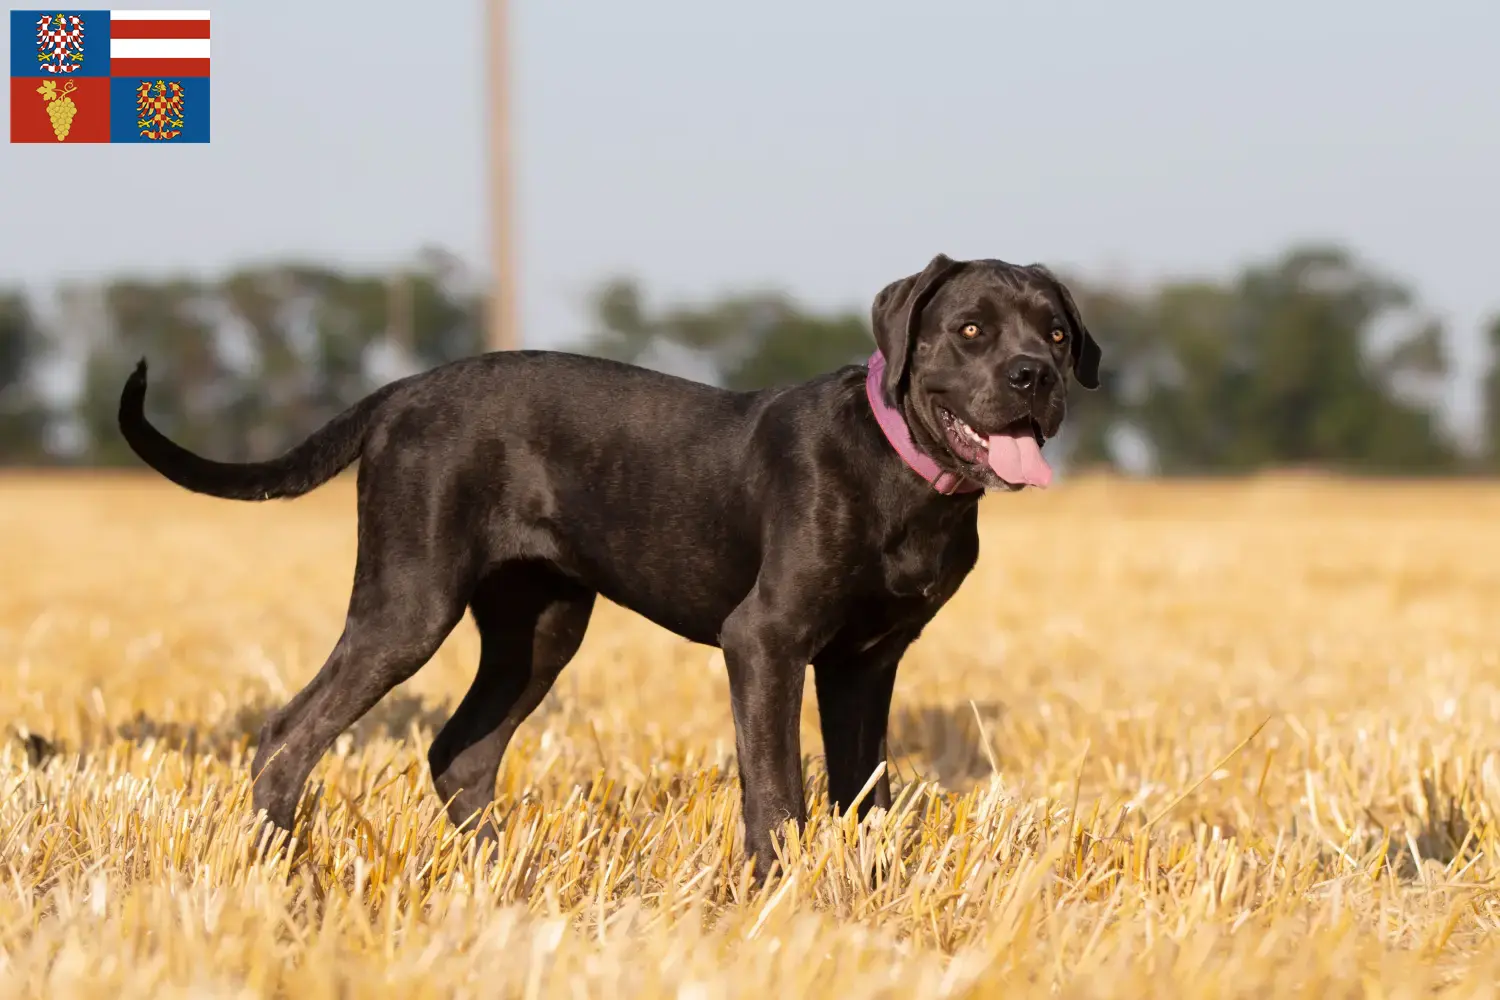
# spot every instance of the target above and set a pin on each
(1013, 455)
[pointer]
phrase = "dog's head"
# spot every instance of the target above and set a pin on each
(977, 355)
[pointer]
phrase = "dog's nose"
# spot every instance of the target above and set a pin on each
(1026, 373)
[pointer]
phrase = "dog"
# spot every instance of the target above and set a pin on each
(821, 524)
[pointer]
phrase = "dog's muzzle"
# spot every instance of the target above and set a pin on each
(1014, 454)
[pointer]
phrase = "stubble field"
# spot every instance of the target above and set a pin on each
(1236, 739)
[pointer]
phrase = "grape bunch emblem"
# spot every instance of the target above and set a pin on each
(60, 107)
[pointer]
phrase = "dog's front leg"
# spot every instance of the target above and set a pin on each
(767, 655)
(854, 707)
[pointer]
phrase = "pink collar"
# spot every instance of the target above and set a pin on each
(899, 435)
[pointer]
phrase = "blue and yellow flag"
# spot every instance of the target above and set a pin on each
(109, 76)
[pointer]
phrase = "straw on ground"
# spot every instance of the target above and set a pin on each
(1190, 740)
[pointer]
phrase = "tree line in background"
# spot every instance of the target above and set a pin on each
(1310, 359)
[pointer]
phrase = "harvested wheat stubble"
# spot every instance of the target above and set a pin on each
(1081, 808)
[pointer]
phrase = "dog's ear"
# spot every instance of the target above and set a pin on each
(897, 313)
(1086, 352)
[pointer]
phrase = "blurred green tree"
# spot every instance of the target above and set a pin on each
(248, 366)
(23, 416)
(1309, 358)
(1279, 367)
(1491, 395)
(747, 341)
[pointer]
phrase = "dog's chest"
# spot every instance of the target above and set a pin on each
(926, 564)
(915, 581)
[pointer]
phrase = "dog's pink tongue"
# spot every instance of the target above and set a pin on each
(1018, 460)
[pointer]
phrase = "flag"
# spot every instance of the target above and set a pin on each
(129, 76)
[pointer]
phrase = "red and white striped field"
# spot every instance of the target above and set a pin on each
(158, 43)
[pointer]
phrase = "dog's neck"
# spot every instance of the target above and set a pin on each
(893, 425)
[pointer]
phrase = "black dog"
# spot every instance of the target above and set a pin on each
(821, 523)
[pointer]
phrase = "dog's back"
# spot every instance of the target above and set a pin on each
(631, 481)
(645, 487)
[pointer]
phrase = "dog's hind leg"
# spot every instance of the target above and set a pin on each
(397, 619)
(531, 622)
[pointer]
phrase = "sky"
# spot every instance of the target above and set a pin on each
(823, 147)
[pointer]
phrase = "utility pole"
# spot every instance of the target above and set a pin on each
(399, 325)
(502, 327)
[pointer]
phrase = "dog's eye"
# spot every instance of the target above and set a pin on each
(1059, 335)
(970, 330)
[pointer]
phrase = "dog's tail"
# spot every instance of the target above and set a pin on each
(302, 469)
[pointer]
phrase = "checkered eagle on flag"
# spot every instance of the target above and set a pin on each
(159, 105)
(59, 42)
(139, 76)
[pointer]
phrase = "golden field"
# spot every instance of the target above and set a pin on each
(1229, 739)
